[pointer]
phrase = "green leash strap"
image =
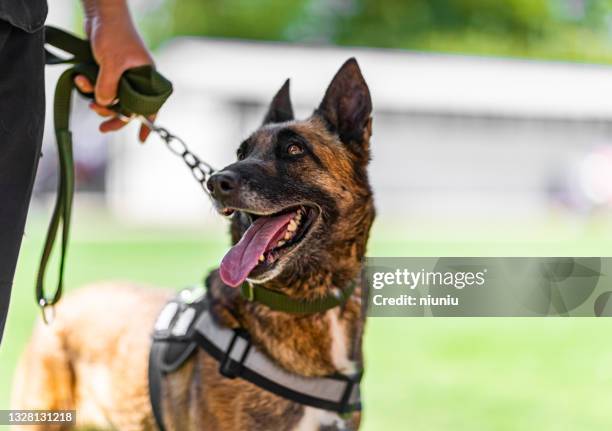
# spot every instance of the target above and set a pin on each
(141, 91)
(280, 302)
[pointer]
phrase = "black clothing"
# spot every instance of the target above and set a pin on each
(28, 15)
(22, 114)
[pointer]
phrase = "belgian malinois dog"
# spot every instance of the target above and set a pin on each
(301, 209)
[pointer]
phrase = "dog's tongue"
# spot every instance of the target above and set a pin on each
(261, 236)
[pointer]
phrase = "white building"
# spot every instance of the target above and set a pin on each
(454, 136)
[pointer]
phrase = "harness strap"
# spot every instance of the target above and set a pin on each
(239, 358)
(141, 91)
(183, 326)
(279, 302)
(155, 382)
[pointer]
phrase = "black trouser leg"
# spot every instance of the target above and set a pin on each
(22, 113)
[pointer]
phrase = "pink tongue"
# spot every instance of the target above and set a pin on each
(261, 236)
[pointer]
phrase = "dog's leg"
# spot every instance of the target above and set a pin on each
(44, 379)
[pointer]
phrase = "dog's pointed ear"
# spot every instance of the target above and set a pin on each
(280, 109)
(347, 106)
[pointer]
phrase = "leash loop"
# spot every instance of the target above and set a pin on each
(141, 91)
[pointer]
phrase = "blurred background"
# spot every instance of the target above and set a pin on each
(492, 136)
(493, 110)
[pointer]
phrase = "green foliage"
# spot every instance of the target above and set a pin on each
(265, 19)
(244, 19)
(552, 29)
(577, 30)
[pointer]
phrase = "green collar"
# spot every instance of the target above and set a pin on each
(280, 302)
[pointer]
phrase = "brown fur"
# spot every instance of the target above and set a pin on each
(93, 358)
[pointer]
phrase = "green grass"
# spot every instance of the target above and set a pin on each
(422, 373)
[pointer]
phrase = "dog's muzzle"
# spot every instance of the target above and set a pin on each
(223, 185)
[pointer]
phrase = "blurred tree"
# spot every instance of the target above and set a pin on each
(579, 30)
(244, 19)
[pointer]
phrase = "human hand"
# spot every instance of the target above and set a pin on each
(116, 47)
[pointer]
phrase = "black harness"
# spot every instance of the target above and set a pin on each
(186, 324)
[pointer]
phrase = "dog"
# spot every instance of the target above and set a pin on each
(307, 182)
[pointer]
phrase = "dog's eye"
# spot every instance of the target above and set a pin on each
(294, 149)
(240, 155)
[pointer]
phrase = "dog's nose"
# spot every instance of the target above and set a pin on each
(222, 184)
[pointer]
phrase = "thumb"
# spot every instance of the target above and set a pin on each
(106, 85)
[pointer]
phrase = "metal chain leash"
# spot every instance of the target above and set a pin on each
(200, 170)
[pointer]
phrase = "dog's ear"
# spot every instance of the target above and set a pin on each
(347, 106)
(280, 109)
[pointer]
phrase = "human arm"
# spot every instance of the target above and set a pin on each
(117, 47)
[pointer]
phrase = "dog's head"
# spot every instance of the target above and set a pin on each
(299, 194)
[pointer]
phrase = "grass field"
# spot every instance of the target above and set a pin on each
(422, 373)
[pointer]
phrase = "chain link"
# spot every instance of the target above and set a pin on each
(200, 170)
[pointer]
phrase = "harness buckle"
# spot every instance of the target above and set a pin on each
(229, 367)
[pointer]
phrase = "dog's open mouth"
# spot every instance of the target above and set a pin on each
(267, 239)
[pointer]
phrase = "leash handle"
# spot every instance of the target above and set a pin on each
(141, 91)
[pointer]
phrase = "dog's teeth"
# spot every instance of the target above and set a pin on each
(262, 258)
(288, 235)
(292, 226)
(280, 243)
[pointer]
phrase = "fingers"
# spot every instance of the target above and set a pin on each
(83, 84)
(115, 122)
(106, 85)
(101, 110)
(112, 125)
(144, 132)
